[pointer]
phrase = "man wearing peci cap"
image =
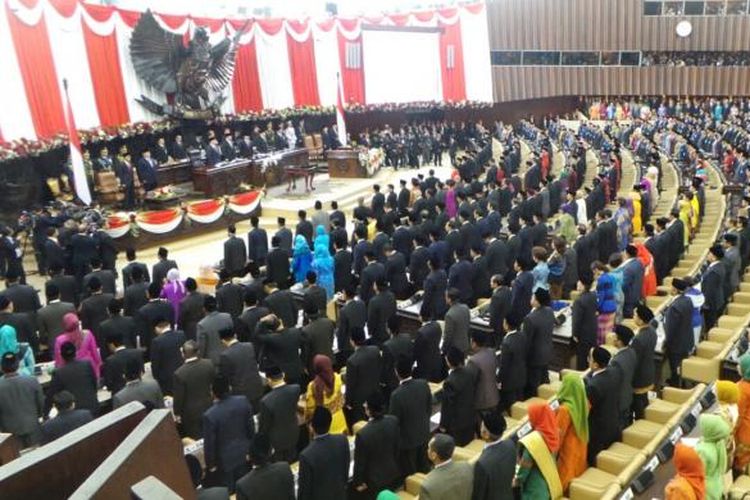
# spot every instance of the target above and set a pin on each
(537, 328)
(269, 481)
(324, 464)
(624, 361)
(277, 417)
(712, 287)
(602, 384)
(678, 330)
(644, 344)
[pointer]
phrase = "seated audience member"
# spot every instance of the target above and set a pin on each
(690, 479)
(496, 466)
(536, 473)
(449, 479)
(68, 418)
(573, 422)
(228, 428)
(457, 415)
(266, 480)
(21, 403)
(602, 384)
(325, 390)
(192, 390)
(138, 389)
(76, 377)
(324, 464)
(277, 417)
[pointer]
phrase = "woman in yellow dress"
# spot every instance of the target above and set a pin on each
(325, 390)
(696, 209)
(636, 220)
(686, 215)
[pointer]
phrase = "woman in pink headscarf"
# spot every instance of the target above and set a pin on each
(86, 348)
(174, 291)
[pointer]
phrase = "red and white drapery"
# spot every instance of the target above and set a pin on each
(281, 63)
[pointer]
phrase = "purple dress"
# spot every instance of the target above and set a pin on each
(450, 203)
(174, 292)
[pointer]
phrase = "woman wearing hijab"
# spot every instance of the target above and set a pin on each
(712, 448)
(321, 238)
(9, 343)
(649, 271)
(622, 218)
(174, 291)
(301, 259)
(325, 390)
(322, 264)
(637, 220)
(536, 473)
(606, 300)
(573, 422)
(689, 483)
(83, 340)
(742, 431)
(728, 395)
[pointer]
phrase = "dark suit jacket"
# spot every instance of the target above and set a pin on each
(93, 312)
(166, 357)
(512, 372)
(228, 428)
(273, 481)
(235, 255)
(67, 286)
(278, 417)
(161, 268)
(397, 347)
(602, 391)
(25, 331)
(277, 267)
(54, 253)
(128, 270)
(135, 297)
(78, 378)
(456, 332)
(411, 403)
(360, 382)
(625, 362)
(282, 349)
(712, 288)
(395, 273)
(632, 284)
(433, 300)
(585, 319)
(318, 336)
(494, 471)
(342, 270)
(230, 298)
(499, 309)
(381, 313)
(147, 315)
(538, 327)
(678, 327)
(113, 371)
(315, 295)
(429, 362)
(644, 344)
(460, 277)
(352, 315)
(457, 413)
(418, 269)
(24, 297)
(521, 295)
(192, 394)
(285, 238)
(119, 324)
(282, 305)
(108, 279)
(239, 365)
(49, 321)
(191, 312)
(370, 275)
(376, 454)
(324, 468)
(257, 245)
(63, 423)
(485, 362)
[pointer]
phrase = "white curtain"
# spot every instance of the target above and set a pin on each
(327, 64)
(401, 66)
(15, 116)
(273, 69)
(475, 39)
(72, 63)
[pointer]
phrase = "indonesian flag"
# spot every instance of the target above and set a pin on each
(340, 123)
(76, 158)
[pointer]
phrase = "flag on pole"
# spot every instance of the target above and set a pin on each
(76, 154)
(340, 123)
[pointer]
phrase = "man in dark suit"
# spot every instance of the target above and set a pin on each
(229, 295)
(228, 152)
(460, 277)
(513, 370)
(584, 317)
(679, 341)
(313, 295)
(632, 271)
(107, 278)
(381, 313)
(376, 451)
(277, 267)
(360, 382)
(337, 215)
(147, 316)
(324, 464)
(161, 268)
(712, 287)
(132, 264)
(399, 346)
(353, 314)
(457, 415)
(434, 286)
(371, 274)
(76, 377)
(192, 390)
(69, 417)
(304, 227)
(281, 303)
(24, 297)
(495, 468)
(191, 309)
(257, 242)
(280, 346)
(65, 283)
(113, 370)
(278, 416)
(342, 267)
(235, 253)
(238, 363)
(377, 203)
(49, 318)
(411, 403)
(498, 307)
(83, 249)
(267, 481)
(248, 321)
(625, 362)
(136, 294)
(166, 356)
(213, 153)
(284, 234)
(602, 390)
(404, 197)
(521, 291)
(54, 253)
(427, 357)
(95, 309)
(228, 428)
(318, 337)
(395, 273)
(643, 344)
(457, 321)
(538, 327)
(21, 403)
(360, 247)
(484, 362)
(146, 169)
(25, 331)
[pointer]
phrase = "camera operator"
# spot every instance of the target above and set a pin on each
(11, 255)
(39, 222)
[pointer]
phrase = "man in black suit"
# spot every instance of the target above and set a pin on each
(376, 451)
(460, 277)
(192, 390)
(404, 197)
(602, 390)
(228, 152)
(377, 203)
(228, 428)
(229, 295)
(498, 307)
(127, 271)
(161, 268)
(360, 247)
(95, 309)
(177, 149)
(457, 319)
(495, 468)
(281, 303)
(24, 297)
(267, 481)
(712, 287)
(191, 309)
(521, 291)
(324, 464)
(76, 377)
(427, 356)
(238, 363)
(371, 274)
(235, 253)
(395, 272)
(136, 295)
(146, 317)
(166, 356)
(82, 249)
(257, 242)
(280, 346)
(342, 267)
(513, 370)
(584, 319)
(213, 153)
(107, 278)
(49, 318)
(411, 403)
(624, 361)
(353, 314)
(318, 337)
(360, 380)
(457, 416)
(304, 227)
(113, 370)
(146, 168)
(434, 286)
(69, 417)
(313, 295)
(643, 344)
(54, 253)
(284, 234)
(277, 267)
(337, 215)
(399, 346)
(679, 341)
(278, 416)
(124, 326)
(65, 283)
(381, 313)
(538, 327)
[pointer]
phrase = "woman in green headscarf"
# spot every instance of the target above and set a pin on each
(712, 448)
(573, 421)
(9, 343)
(742, 431)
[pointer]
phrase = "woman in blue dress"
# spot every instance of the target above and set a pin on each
(301, 259)
(322, 264)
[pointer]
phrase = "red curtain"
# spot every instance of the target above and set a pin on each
(246, 81)
(302, 67)
(39, 76)
(106, 75)
(352, 78)
(452, 63)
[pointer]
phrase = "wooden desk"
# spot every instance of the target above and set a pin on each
(344, 163)
(177, 172)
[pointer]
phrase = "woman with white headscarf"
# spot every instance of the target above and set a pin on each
(174, 291)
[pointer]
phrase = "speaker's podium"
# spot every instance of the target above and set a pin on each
(344, 162)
